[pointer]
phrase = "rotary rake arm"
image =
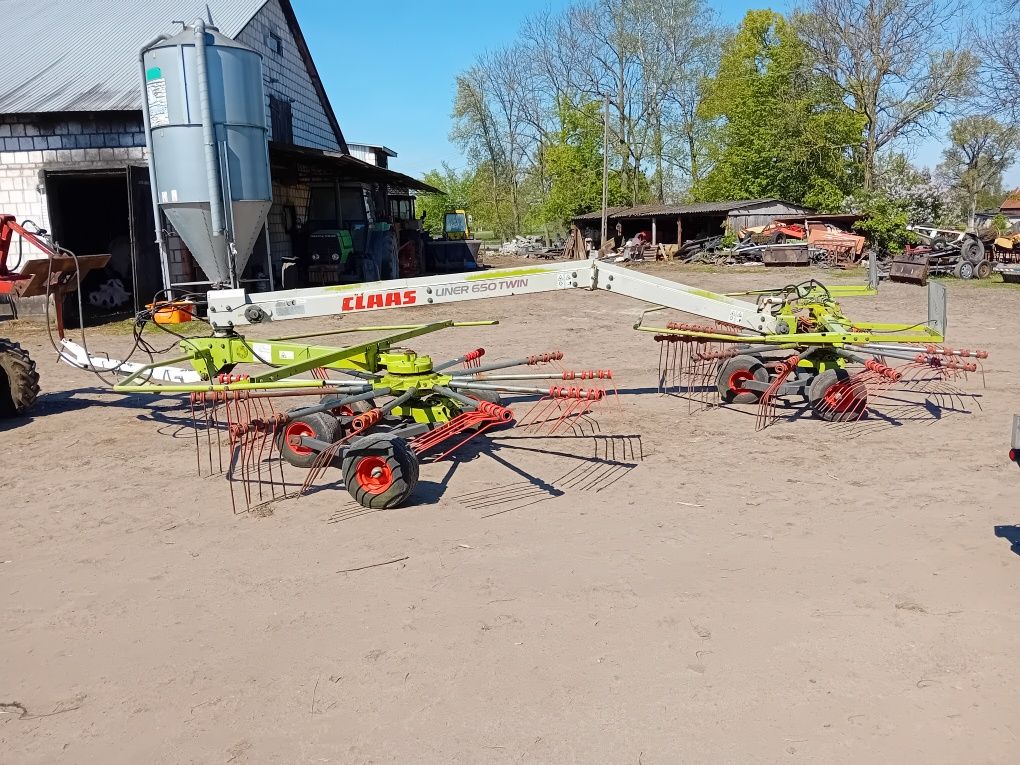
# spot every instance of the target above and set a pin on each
(229, 309)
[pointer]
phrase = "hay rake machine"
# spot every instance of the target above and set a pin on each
(843, 369)
(390, 409)
(396, 407)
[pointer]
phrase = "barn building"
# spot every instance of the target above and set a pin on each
(72, 146)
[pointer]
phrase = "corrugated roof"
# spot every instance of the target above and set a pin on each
(348, 167)
(83, 56)
(695, 208)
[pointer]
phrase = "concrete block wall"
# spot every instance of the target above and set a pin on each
(287, 78)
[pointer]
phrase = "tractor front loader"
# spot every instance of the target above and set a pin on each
(57, 274)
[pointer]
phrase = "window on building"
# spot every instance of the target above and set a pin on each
(274, 42)
(281, 120)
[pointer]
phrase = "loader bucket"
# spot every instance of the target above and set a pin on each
(778, 255)
(911, 269)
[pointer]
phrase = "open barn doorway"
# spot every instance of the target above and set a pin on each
(107, 212)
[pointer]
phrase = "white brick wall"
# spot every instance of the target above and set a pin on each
(22, 192)
(287, 78)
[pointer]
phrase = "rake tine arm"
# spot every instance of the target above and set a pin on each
(470, 359)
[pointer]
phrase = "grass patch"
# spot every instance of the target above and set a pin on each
(992, 282)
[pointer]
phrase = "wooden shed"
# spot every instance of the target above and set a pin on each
(676, 224)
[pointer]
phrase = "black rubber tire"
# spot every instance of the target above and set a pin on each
(400, 459)
(983, 270)
(19, 380)
(938, 244)
(358, 407)
(817, 389)
(492, 396)
(324, 427)
(369, 270)
(777, 237)
(964, 270)
(730, 367)
(972, 250)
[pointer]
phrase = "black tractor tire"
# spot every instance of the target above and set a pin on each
(320, 426)
(380, 471)
(939, 244)
(964, 270)
(827, 409)
(777, 237)
(732, 371)
(983, 270)
(972, 250)
(19, 380)
(369, 270)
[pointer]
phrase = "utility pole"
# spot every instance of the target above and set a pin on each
(605, 166)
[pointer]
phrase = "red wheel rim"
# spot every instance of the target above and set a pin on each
(295, 429)
(342, 411)
(841, 398)
(373, 474)
(739, 377)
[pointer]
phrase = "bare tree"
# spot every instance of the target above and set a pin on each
(1001, 28)
(981, 149)
(894, 60)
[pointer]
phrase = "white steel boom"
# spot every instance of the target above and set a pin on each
(235, 307)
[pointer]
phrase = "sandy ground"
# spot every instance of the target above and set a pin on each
(789, 595)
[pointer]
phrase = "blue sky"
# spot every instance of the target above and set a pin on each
(389, 66)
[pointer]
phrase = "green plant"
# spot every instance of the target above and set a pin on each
(885, 221)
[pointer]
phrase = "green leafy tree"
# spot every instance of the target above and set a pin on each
(780, 130)
(458, 196)
(573, 166)
(885, 221)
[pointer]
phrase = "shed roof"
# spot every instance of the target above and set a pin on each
(83, 56)
(694, 208)
(346, 166)
(1010, 203)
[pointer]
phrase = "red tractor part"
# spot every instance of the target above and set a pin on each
(58, 274)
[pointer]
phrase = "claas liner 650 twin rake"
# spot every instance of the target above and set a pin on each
(394, 407)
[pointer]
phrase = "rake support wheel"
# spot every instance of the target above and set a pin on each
(736, 371)
(19, 380)
(380, 471)
(320, 426)
(832, 400)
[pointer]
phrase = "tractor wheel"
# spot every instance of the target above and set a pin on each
(320, 426)
(19, 380)
(939, 244)
(778, 237)
(964, 270)
(972, 250)
(736, 371)
(380, 471)
(983, 270)
(836, 404)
